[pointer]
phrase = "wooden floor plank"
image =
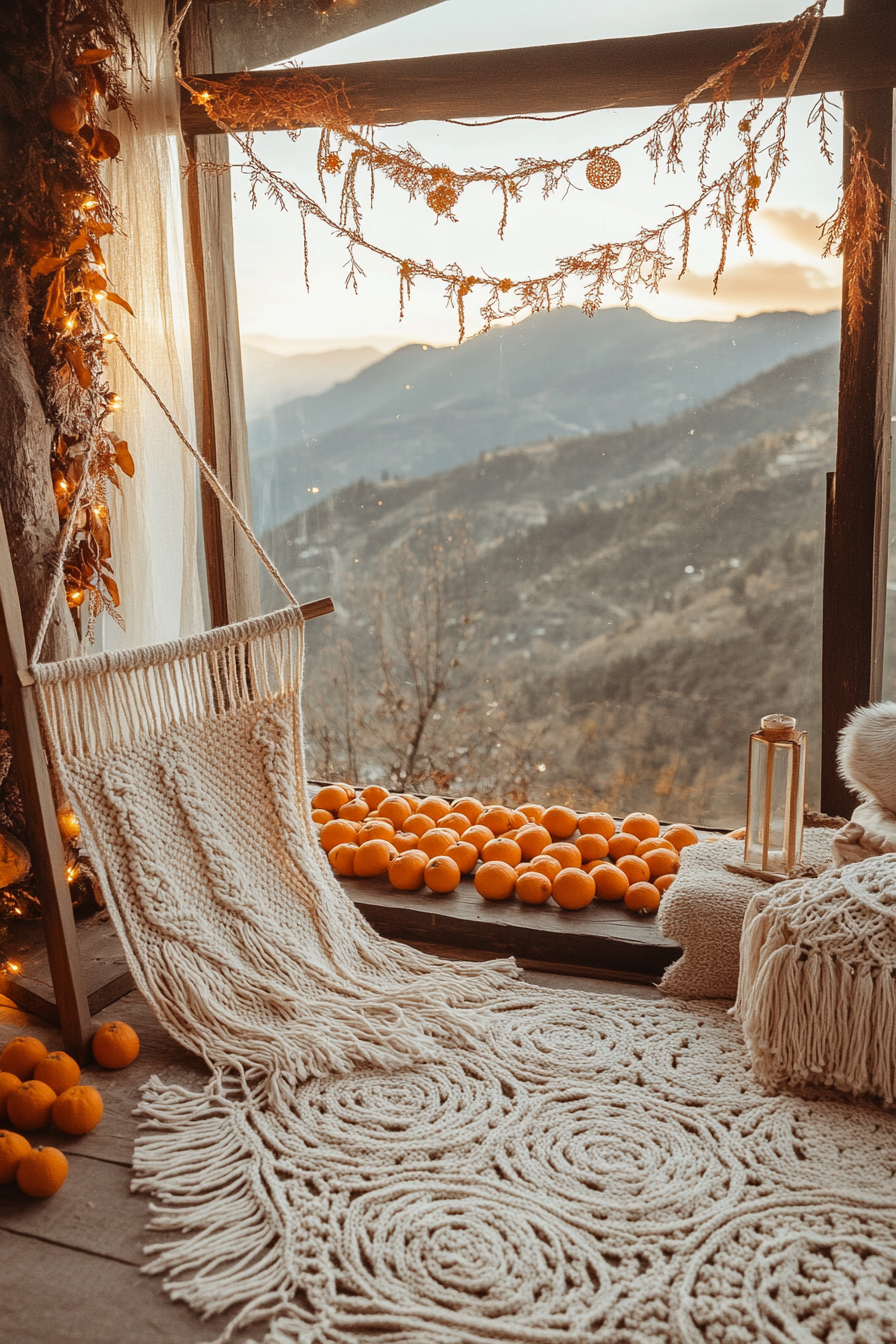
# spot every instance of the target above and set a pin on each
(54, 1295)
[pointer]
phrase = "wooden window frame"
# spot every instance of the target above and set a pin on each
(854, 54)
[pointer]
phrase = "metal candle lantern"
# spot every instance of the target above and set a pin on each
(774, 837)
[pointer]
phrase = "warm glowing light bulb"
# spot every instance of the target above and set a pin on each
(111, 336)
(89, 203)
(13, 966)
(70, 321)
(98, 295)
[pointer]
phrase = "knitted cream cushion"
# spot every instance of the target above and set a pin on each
(704, 911)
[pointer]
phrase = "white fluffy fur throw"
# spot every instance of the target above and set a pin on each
(867, 759)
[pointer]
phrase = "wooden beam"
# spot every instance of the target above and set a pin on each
(856, 540)
(44, 841)
(231, 565)
(858, 52)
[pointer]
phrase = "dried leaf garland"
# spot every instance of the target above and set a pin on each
(729, 199)
(70, 61)
(856, 227)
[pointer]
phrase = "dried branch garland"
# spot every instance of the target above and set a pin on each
(730, 198)
(69, 61)
(855, 228)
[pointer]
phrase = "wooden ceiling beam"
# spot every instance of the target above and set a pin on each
(858, 52)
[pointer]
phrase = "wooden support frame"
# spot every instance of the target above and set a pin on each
(44, 841)
(857, 532)
(230, 563)
(855, 52)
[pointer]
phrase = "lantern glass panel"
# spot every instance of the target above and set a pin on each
(774, 835)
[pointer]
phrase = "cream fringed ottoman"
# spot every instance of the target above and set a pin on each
(817, 994)
(704, 912)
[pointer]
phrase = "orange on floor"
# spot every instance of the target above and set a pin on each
(337, 833)
(374, 794)
(31, 1105)
(20, 1056)
(58, 1070)
(115, 1045)
(78, 1110)
(41, 1172)
(8, 1083)
(455, 821)
(663, 884)
(13, 1148)
(378, 828)
(419, 824)
(662, 863)
(532, 812)
(356, 810)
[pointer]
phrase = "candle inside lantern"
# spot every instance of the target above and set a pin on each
(777, 786)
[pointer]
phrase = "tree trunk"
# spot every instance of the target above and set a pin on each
(26, 490)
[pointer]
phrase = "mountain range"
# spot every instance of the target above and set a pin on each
(556, 375)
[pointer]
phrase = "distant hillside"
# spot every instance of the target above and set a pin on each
(270, 378)
(556, 375)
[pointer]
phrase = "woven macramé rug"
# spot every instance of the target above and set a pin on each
(399, 1150)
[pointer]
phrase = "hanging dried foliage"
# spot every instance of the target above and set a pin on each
(68, 61)
(856, 228)
(728, 199)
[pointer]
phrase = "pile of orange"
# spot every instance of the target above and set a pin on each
(534, 852)
(37, 1086)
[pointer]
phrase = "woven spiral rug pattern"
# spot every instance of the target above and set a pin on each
(399, 1150)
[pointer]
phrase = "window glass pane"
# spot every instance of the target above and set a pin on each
(573, 558)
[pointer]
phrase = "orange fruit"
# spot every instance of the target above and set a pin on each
(436, 808)
(394, 809)
(502, 850)
(356, 810)
(465, 856)
(78, 1110)
(412, 802)
(342, 859)
(418, 824)
(405, 840)
(560, 821)
(641, 824)
(373, 858)
(663, 884)
(441, 874)
(13, 1148)
(41, 1172)
(380, 829)
(510, 835)
(115, 1045)
(471, 808)
(609, 883)
(374, 794)
(592, 846)
(21, 1055)
(567, 854)
(497, 819)
(321, 817)
(518, 819)
(643, 898)
(406, 871)
(8, 1083)
(437, 841)
(30, 1105)
(58, 1070)
(533, 888)
(532, 840)
(597, 823)
(520, 868)
(654, 843)
(455, 821)
(330, 798)
(337, 833)
(495, 881)
(621, 844)
(532, 812)
(661, 862)
(478, 836)
(348, 789)
(681, 836)
(635, 869)
(547, 864)
(573, 889)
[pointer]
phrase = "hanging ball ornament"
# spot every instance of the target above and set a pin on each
(442, 198)
(603, 172)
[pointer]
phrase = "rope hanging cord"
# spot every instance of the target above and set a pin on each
(209, 476)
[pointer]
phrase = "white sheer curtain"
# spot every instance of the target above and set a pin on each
(154, 527)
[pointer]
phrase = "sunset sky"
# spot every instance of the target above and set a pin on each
(786, 271)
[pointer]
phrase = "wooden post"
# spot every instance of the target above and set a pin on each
(856, 541)
(231, 565)
(44, 842)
